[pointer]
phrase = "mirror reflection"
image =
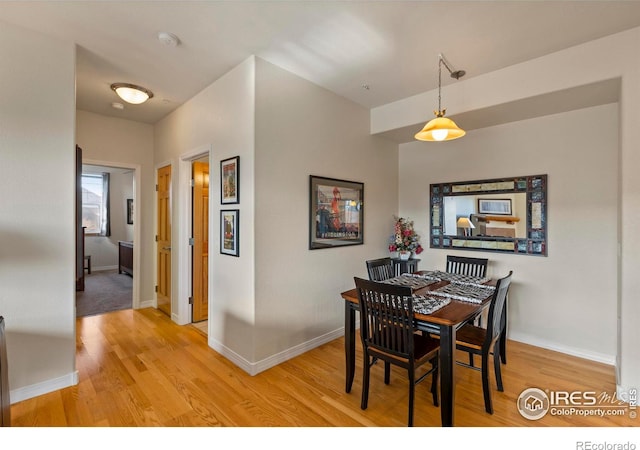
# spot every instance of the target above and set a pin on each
(495, 215)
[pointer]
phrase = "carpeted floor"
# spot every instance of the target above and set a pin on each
(104, 291)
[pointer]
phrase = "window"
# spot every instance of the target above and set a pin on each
(95, 204)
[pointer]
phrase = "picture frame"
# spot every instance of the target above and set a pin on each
(129, 211)
(229, 181)
(229, 232)
(336, 212)
(494, 206)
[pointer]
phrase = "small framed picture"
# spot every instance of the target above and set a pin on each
(129, 211)
(336, 213)
(229, 232)
(494, 206)
(229, 181)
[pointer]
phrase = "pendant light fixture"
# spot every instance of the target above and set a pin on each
(442, 128)
(131, 93)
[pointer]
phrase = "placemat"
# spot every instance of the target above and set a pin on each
(410, 280)
(464, 292)
(423, 304)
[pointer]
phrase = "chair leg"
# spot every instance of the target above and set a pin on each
(412, 392)
(496, 368)
(486, 388)
(503, 348)
(387, 372)
(365, 382)
(434, 381)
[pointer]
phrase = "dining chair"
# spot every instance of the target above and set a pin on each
(485, 341)
(463, 265)
(388, 333)
(380, 269)
(476, 267)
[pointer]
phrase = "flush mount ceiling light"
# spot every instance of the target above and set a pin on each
(442, 128)
(168, 39)
(131, 93)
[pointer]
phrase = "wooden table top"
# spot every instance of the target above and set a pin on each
(455, 312)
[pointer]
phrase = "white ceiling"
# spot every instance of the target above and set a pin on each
(390, 46)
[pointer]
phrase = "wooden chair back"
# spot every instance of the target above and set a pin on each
(462, 265)
(497, 319)
(380, 269)
(386, 318)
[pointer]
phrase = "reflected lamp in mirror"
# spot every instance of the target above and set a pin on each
(466, 225)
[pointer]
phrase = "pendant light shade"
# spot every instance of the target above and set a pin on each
(131, 93)
(441, 128)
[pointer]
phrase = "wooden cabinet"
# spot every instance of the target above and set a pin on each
(125, 257)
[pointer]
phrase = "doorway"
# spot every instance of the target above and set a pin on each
(106, 190)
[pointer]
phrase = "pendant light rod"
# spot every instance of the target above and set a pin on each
(457, 74)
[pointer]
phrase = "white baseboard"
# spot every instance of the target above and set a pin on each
(147, 304)
(44, 387)
(578, 352)
(274, 360)
(103, 268)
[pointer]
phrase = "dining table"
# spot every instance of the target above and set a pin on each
(443, 322)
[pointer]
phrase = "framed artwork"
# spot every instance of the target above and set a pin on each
(229, 232)
(336, 212)
(494, 206)
(229, 181)
(129, 211)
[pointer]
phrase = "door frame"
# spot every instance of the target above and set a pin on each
(185, 215)
(137, 229)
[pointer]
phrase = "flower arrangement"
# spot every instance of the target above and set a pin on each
(404, 237)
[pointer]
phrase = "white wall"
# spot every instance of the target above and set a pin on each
(303, 130)
(117, 142)
(37, 237)
(258, 316)
(559, 300)
(220, 117)
(612, 57)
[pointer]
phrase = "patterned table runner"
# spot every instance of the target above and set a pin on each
(465, 292)
(412, 281)
(452, 277)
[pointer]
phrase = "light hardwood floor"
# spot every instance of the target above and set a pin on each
(138, 369)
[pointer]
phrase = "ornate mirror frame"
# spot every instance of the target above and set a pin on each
(535, 242)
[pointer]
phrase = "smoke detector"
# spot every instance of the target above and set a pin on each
(168, 39)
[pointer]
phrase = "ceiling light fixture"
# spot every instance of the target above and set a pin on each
(168, 39)
(131, 93)
(441, 128)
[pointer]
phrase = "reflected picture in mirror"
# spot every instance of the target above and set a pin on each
(505, 215)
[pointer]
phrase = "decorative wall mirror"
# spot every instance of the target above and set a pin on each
(507, 215)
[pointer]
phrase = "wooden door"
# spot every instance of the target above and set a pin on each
(163, 240)
(200, 241)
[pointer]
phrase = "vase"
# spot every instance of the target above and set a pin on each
(405, 255)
